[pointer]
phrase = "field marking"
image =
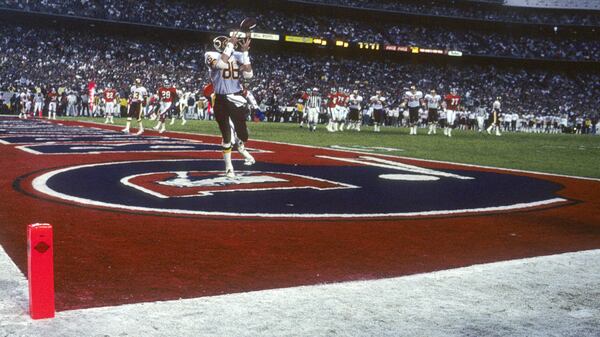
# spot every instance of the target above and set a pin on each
(539, 296)
(40, 184)
(393, 156)
(378, 162)
(126, 181)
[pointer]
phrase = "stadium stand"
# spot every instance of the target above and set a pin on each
(33, 57)
(481, 10)
(506, 42)
(560, 4)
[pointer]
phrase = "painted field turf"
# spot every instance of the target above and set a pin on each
(107, 255)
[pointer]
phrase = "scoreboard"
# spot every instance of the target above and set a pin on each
(360, 45)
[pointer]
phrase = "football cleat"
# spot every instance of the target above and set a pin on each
(140, 131)
(126, 130)
(249, 161)
(229, 173)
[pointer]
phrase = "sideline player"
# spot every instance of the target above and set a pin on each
(494, 118)
(331, 110)
(342, 108)
(377, 103)
(354, 114)
(137, 95)
(109, 97)
(433, 104)
(52, 97)
(451, 106)
(413, 99)
(167, 94)
(225, 66)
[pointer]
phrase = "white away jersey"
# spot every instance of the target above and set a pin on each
(496, 106)
(413, 98)
(225, 81)
(377, 102)
(355, 101)
(433, 101)
(138, 93)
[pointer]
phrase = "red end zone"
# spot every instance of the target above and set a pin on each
(110, 256)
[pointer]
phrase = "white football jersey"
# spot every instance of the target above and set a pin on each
(355, 101)
(377, 102)
(496, 105)
(225, 81)
(433, 101)
(414, 99)
(138, 93)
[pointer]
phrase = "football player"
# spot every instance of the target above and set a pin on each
(342, 109)
(494, 125)
(39, 104)
(413, 99)
(226, 66)
(331, 109)
(52, 97)
(109, 97)
(137, 97)
(181, 106)
(301, 106)
(313, 107)
(22, 105)
(480, 115)
(432, 100)
(354, 114)
(377, 103)
(167, 94)
(451, 106)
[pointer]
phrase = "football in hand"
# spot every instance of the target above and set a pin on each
(247, 24)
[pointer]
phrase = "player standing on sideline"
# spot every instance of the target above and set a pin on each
(22, 105)
(52, 97)
(301, 107)
(109, 97)
(480, 115)
(354, 114)
(413, 98)
(377, 103)
(496, 109)
(136, 101)
(39, 104)
(331, 109)
(167, 95)
(451, 106)
(312, 106)
(225, 66)
(433, 104)
(342, 108)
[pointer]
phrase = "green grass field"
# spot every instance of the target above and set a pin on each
(577, 155)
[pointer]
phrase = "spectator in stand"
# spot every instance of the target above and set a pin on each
(36, 57)
(220, 17)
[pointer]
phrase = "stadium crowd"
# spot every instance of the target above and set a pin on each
(474, 10)
(33, 58)
(221, 17)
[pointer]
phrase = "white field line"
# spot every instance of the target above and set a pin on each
(395, 156)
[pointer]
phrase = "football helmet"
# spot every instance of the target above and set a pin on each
(220, 42)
